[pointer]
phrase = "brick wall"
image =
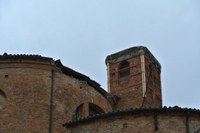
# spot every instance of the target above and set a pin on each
(141, 88)
(69, 94)
(27, 85)
(173, 122)
(129, 88)
(27, 99)
(153, 95)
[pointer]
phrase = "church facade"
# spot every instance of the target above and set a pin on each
(41, 95)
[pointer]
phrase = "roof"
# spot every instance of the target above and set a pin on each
(132, 112)
(6, 56)
(75, 74)
(129, 53)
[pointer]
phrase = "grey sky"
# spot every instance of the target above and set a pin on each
(83, 32)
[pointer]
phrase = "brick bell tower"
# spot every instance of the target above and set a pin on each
(134, 77)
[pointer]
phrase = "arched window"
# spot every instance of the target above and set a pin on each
(94, 109)
(2, 99)
(124, 69)
(78, 112)
(91, 108)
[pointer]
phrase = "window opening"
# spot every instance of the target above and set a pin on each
(78, 112)
(94, 109)
(2, 99)
(124, 69)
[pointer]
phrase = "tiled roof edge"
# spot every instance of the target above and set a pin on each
(131, 111)
(75, 74)
(24, 56)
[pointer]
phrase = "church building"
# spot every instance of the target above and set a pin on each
(41, 95)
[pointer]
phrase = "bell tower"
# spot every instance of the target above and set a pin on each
(134, 77)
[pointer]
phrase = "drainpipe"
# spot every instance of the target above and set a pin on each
(187, 122)
(51, 102)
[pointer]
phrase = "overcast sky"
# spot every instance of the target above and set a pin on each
(83, 32)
